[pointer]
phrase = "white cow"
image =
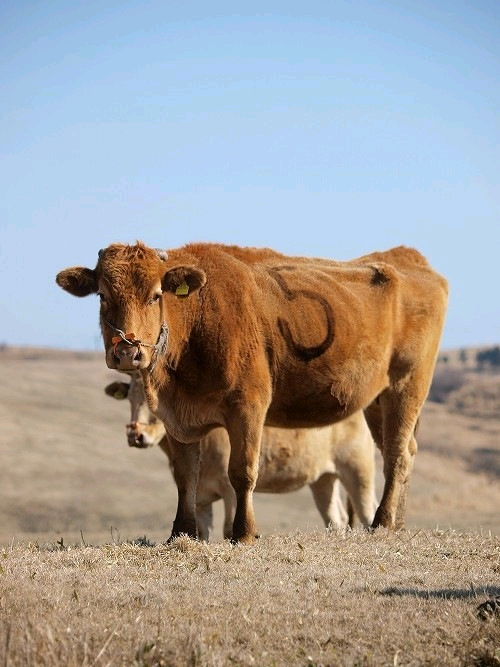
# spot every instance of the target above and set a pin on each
(289, 459)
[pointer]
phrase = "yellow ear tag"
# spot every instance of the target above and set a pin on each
(119, 395)
(182, 290)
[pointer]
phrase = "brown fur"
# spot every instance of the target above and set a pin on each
(289, 459)
(265, 338)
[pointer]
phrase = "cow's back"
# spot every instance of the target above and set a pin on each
(292, 458)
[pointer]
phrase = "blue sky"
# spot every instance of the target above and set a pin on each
(323, 128)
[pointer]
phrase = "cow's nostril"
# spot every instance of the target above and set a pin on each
(135, 436)
(126, 356)
(128, 351)
(135, 439)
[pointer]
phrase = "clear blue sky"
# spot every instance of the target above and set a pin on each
(317, 128)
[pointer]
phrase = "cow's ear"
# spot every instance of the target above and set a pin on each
(118, 390)
(182, 280)
(78, 281)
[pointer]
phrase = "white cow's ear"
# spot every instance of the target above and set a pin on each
(183, 280)
(77, 280)
(118, 390)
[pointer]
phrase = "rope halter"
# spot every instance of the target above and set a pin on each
(158, 348)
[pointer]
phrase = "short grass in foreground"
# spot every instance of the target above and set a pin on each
(322, 598)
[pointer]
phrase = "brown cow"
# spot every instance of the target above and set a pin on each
(289, 459)
(242, 337)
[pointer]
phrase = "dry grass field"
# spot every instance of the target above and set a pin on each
(86, 580)
(311, 599)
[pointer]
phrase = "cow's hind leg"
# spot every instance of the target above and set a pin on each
(403, 496)
(351, 516)
(229, 500)
(400, 411)
(326, 494)
(204, 521)
(358, 478)
(186, 467)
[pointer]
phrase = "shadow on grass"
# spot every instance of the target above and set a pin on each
(444, 593)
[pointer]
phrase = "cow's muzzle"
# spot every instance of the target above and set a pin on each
(127, 348)
(136, 437)
(128, 357)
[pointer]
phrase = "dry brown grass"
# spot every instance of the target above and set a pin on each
(300, 596)
(318, 598)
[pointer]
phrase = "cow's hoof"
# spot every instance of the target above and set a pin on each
(177, 535)
(245, 540)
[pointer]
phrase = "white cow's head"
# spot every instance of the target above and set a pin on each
(144, 429)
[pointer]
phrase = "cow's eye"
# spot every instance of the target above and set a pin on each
(154, 299)
(102, 298)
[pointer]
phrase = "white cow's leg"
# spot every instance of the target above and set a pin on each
(204, 521)
(357, 477)
(185, 464)
(229, 500)
(351, 517)
(326, 494)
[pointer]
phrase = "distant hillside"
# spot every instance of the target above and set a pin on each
(467, 381)
(480, 358)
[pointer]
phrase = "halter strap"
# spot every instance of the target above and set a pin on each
(158, 348)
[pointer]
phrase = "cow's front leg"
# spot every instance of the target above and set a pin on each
(245, 434)
(185, 463)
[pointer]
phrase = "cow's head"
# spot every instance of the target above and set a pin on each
(136, 285)
(144, 429)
